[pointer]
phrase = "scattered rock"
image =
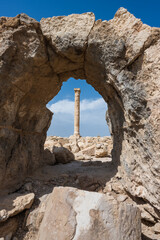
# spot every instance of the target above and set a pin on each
(79, 156)
(102, 152)
(75, 148)
(49, 157)
(63, 155)
(90, 151)
(13, 204)
(98, 146)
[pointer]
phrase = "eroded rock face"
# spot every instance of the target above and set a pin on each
(76, 214)
(119, 58)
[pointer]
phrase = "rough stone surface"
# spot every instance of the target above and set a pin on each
(96, 175)
(101, 153)
(63, 155)
(76, 214)
(49, 157)
(83, 148)
(35, 217)
(119, 58)
(89, 151)
(13, 204)
(157, 228)
(8, 228)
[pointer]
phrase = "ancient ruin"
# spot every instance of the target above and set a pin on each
(120, 58)
(77, 112)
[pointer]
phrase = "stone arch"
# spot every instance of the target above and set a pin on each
(116, 57)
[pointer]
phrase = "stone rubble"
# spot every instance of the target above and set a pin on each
(83, 148)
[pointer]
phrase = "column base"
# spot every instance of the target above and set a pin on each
(76, 135)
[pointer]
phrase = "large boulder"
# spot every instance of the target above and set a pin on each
(49, 157)
(76, 214)
(63, 155)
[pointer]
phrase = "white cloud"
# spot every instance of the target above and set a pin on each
(67, 106)
(92, 118)
(62, 106)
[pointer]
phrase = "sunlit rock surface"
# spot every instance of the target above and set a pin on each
(76, 214)
(119, 58)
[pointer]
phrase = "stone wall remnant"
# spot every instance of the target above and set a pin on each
(119, 58)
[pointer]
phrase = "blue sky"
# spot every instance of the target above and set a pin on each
(92, 106)
(147, 10)
(92, 111)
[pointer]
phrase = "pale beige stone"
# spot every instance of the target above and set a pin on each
(13, 204)
(77, 112)
(76, 214)
(146, 216)
(121, 198)
(90, 151)
(35, 217)
(157, 228)
(102, 152)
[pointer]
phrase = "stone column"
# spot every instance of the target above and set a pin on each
(77, 111)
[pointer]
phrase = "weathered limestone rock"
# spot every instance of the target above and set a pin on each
(102, 152)
(49, 157)
(83, 148)
(63, 155)
(77, 112)
(90, 151)
(76, 214)
(13, 204)
(35, 217)
(82, 143)
(74, 148)
(157, 228)
(68, 35)
(119, 58)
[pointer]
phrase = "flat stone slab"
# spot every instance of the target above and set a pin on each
(77, 214)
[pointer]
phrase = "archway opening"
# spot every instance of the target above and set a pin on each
(92, 111)
(94, 142)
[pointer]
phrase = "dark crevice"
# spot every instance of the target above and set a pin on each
(17, 142)
(144, 237)
(20, 131)
(86, 47)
